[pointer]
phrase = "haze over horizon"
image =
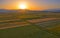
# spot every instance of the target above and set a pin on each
(31, 4)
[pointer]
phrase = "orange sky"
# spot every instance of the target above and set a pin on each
(31, 4)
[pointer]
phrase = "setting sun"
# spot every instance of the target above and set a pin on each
(22, 6)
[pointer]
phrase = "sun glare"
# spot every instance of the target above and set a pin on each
(22, 6)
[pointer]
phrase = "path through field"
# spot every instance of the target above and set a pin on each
(41, 20)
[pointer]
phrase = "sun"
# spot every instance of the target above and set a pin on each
(22, 6)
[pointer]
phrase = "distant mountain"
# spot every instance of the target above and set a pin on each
(29, 11)
(53, 10)
(4, 11)
(9, 11)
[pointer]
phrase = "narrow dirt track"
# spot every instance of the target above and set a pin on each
(9, 20)
(13, 26)
(30, 21)
(41, 20)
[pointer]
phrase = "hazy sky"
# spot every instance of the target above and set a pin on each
(32, 4)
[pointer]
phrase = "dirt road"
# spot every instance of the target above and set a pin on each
(41, 20)
(9, 20)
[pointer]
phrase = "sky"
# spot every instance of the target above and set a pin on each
(31, 4)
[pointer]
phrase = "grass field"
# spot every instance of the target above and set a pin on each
(26, 29)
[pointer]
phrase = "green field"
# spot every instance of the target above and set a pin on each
(25, 29)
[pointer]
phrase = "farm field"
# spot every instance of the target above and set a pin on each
(29, 18)
(30, 25)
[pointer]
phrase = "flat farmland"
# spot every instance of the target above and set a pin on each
(30, 25)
